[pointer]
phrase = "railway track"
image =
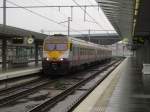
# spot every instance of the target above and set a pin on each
(46, 94)
(51, 105)
(11, 89)
(10, 84)
(9, 95)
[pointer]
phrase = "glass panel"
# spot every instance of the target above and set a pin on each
(61, 46)
(58, 47)
(51, 46)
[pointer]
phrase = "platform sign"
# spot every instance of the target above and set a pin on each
(17, 40)
(138, 40)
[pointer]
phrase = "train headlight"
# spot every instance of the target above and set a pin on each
(47, 59)
(61, 59)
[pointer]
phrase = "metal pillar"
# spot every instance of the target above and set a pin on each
(4, 41)
(4, 56)
(69, 26)
(117, 50)
(4, 13)
(123, 50)
(89, 32)
(36, 54)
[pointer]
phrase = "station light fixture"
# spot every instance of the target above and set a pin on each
(137, 3)
(135, 12)
(134, 20)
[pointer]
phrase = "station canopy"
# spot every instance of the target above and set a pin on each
(10, 32)
(130, 18)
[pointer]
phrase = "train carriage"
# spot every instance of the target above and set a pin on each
(62, 54)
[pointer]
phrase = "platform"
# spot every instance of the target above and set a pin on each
(19, 72)
(132, 93)
(125, 90)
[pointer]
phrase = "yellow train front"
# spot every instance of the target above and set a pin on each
(55, 55)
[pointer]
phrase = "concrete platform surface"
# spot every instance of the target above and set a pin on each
(132, 93)
(19, 73)
(90, 103)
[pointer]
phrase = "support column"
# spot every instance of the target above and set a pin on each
(4, 55)
(36, 54)
(4, 41)
(4, 13)
(147, 50)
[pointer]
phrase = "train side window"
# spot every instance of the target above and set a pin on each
(76, 51)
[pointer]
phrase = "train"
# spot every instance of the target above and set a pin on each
(62, 54)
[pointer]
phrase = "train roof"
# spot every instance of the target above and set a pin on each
(83, 42)
(79, 41)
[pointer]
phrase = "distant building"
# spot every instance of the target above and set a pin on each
(120, 49)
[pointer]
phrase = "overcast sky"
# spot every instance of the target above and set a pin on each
(24, 19)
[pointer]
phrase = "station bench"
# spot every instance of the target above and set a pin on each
(146, 69)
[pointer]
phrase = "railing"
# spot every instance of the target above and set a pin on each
(17, 61)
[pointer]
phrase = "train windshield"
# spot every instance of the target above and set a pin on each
(57, 47)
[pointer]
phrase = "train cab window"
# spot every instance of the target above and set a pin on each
(59, 47)
(51, 46)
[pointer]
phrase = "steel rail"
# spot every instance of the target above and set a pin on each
(10, 89)
(71, 108)
(52, 101)
(22, 93)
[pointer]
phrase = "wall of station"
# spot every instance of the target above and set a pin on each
(0, 49)
(20, 54)
(120, 49)
(143, 53)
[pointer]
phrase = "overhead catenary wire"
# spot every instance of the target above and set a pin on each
(98, 13)
(88, 14)
(71, 6)
(51, 6)
(46, 6)
(44, 17)
(40, 15)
